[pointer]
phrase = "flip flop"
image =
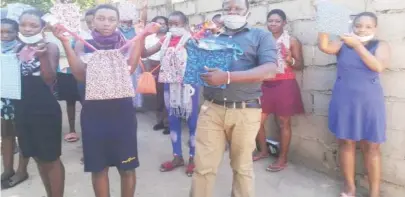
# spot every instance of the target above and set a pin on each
(257, 156)
(71, 137)
(170, 165)
(276, 167)
(346, 195)
(9, 183)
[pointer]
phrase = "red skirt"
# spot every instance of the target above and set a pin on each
(282, 98)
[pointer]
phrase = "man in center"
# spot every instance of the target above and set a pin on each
(233, 114)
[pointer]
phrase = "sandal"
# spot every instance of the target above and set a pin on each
(71, 137)
(276, 167)
(190, 167)
(13, 181)
(259, 156)
(171, 165)
(346, 195)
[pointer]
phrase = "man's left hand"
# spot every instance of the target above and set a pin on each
(214, 76)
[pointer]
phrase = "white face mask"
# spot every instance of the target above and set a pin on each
(177, 31)
(364, 38)
(234, 22)
(32, 39)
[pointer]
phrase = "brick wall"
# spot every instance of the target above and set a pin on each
(312, 144)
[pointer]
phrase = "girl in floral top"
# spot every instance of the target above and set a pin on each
(182, 100)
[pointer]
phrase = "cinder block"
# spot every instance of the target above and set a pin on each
(321, 103)
(322, 58)
(295, 10)
(319, 78)
(393, 83)
(196, 19)
(161, 11)
(393, 170)
(395, 116)
(187, 7)
(314, 127)
(397, 54)
(355, 6)
(314, 57)
(383, 5)
(209, 6)
(308, 53)
(158, 2)
(391, 27)
(305, 31)
(314, 154)
(308, 101)
(257, 15)
(152, 12)
(178, 1)
(393, 148)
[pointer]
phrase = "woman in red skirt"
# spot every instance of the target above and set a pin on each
(281, 95)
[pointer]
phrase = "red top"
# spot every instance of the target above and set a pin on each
(173, 42)
(288, 74)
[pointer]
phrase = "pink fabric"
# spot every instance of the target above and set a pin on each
(107, 75)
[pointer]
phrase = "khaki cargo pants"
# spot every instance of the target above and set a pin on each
(216, 126)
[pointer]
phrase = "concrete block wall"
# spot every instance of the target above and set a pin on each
(312, 144)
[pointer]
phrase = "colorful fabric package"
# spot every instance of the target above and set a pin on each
(107, 75)
(211, 53)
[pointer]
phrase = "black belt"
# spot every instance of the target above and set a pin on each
(239, 105)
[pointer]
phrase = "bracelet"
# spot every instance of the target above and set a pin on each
(293, 62)
(229, 77)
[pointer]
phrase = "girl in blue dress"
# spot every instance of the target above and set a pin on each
(357, 111)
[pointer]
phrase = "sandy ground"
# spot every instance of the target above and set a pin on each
(154, 148)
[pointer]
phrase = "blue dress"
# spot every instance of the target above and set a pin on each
(357, 110)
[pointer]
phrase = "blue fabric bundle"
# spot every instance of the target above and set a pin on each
(211, 53)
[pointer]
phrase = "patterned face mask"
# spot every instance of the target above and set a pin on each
(173, 62)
